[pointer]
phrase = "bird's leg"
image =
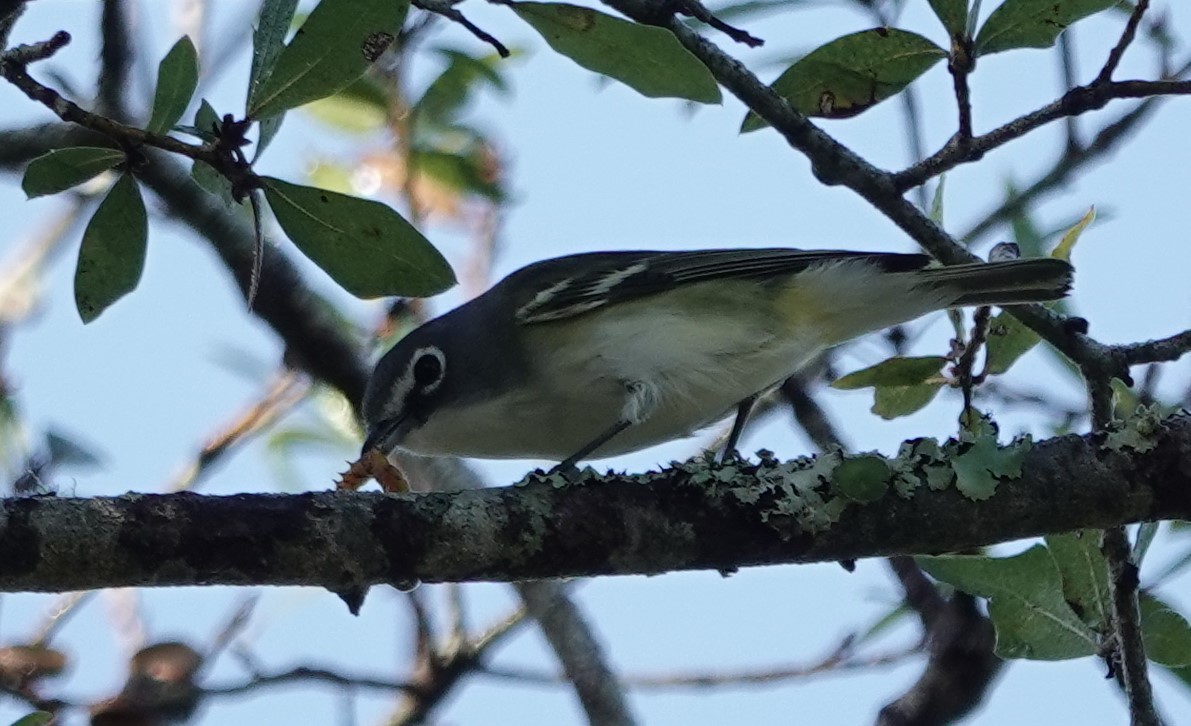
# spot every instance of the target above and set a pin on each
(641, 402)
(743, 409)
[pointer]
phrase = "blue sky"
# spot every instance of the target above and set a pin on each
(596, 166)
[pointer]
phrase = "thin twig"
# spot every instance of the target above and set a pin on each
(1078, 100)
(1072, 161)
(1114, 56)
(698, 11)
(13, 68)
(446, 9)
(305, 674)
(965, 367)
(838, 661)
(959, 66)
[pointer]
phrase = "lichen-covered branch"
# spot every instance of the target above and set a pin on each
(690, 517)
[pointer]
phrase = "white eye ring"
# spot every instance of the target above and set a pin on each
(427, 368)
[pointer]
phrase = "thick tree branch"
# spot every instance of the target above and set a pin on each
(608, 525)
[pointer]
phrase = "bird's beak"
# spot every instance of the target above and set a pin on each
(385, 435)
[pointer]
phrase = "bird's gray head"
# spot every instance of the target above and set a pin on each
(408, 383)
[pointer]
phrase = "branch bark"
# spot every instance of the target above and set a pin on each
(604, 525)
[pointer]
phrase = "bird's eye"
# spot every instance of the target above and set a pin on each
(428, 370)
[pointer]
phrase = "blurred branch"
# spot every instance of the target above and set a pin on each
(1072, 161)
(563, 625)
(21, 271)
(841, 660)
(810, 415)
(961, 663)
(1066, 47)
(307, 674)
(590, 527)
(115, 58)
(287, 390)
(59, 614)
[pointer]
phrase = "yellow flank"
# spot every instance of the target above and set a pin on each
(802, 306)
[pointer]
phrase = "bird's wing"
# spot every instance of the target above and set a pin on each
(576, 284)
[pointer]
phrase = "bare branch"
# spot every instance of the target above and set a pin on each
(1126, 618)
(1152, 351)
(286, 390)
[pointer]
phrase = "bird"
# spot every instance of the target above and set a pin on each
(597, 354)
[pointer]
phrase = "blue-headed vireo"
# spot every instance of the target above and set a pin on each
(598, 354)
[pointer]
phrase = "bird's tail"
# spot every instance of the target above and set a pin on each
(1012, 282)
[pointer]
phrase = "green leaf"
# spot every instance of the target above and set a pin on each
(896, 371)
(267, 43)
(1026, 234)
(213, 182)
(459, 172)
(646, 58)
(177, 77)
(112, 256)
(953, 14)
(448, 93)
(862, 479)
(890, 402)
(65, 451)
(1165, 632)
(207, 123)
(1032, 23)
(1008, 340)
(62, 169)
(853, 73)
(936, 202)
(360, 108)
(897, 613)
(334, 47)
(330, 175)
(268, 40)
(37, 718)
(1146, 531)
(363, 245)
(1026, 602)
(1062, 251)
(1085, 576)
